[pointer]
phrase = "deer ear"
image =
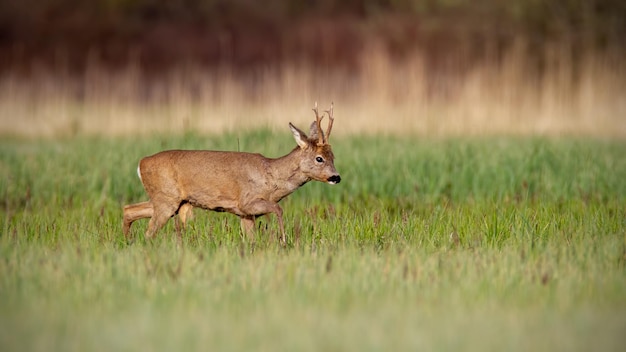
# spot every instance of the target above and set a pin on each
(314, 132)
(299, 136)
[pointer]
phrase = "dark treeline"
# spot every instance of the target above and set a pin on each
(158, 35)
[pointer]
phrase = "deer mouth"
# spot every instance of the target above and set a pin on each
(333, 180)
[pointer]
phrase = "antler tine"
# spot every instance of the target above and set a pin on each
(330, 121)
(318, 120)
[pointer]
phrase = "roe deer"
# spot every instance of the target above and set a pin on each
(245, 184)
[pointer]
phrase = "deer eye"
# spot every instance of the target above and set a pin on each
(319, 159)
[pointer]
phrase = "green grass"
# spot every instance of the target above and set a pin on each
(540, 261)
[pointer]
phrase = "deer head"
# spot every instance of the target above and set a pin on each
(317, 159)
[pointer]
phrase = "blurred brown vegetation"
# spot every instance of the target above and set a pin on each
(158, 35)
(392, 66)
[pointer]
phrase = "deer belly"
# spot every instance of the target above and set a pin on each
(216, 204)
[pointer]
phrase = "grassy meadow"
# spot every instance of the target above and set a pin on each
(471, 243)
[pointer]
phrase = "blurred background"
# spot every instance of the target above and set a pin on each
(423, 67)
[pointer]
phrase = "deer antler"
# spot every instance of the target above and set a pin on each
(330, 122)
(318, 119)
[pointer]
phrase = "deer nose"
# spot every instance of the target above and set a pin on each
(334, 179)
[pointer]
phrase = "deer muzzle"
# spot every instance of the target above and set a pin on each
(334, 179)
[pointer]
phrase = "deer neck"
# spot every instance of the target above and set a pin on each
(286, 173)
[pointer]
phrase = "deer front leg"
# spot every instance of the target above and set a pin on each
(262, 206)
(247, 227)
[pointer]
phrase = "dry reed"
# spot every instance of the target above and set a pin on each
(581, 96)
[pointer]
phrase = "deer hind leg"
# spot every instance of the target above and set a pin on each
(185, 213)
(162, 213)
(135, 212)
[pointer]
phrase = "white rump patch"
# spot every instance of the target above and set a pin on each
(139, 174)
